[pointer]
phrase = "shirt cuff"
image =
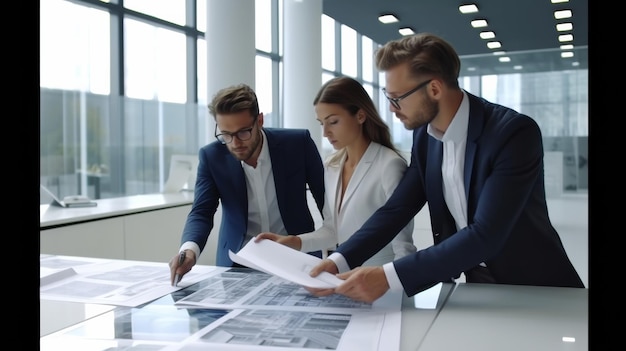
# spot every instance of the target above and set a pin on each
(190, 245)
(340, 262)
(392, 277)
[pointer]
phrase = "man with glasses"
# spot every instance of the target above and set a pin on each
(259, 176)
(478, 165)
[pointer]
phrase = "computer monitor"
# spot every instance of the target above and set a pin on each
(182, 176)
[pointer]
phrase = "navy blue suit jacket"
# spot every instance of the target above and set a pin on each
(296, 163)
(508, 224)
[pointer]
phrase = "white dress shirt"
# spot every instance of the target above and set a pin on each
(263, 212)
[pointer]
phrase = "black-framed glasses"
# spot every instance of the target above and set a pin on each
(396, 101)
(243, 134)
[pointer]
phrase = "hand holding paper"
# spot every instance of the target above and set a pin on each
(280, 260)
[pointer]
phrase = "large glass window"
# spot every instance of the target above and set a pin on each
(169, 10)
(328, 43)
(155, 62)
(74, 47)
(115, 108)
(349, 63)
(263, 25)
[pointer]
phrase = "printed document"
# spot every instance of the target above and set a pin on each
(271, 257)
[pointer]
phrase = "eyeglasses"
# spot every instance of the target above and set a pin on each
(243, 135)
(396, 101)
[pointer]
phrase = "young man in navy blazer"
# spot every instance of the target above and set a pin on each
(259, 176)
(479, 166)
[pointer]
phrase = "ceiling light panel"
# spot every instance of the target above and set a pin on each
(562, 14)
(494, 44)
(406, 31)
(389, 18)
(479, 23)
(562, 27)
(487, 35)
(469, 8)
(566, 37)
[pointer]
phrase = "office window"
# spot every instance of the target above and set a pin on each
(264, 89)
(201, 74)
(88, 129)
(367, 54)
(348, 51)
(155, 62)
(263, 25)
(169, 10)
(201, 15)
(328, 43)
(74, 47)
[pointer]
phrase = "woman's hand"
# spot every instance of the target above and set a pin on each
(292, 241)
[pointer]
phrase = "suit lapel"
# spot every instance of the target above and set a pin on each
(333, 185)
(238, 179)
(360, 171)
(474, 131)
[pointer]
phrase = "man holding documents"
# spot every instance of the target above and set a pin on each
(479, 166)
(259, 176)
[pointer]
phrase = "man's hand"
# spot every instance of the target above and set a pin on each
(292, 241)
(181, 270)
(326, 265)
(363, 284)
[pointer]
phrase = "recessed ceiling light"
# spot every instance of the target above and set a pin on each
(518, 67)
(567, 54)
(479, 23)
(487, 35)
(494, 44)
(471, 69)
(389, 18)
(562, 14)
(469, 8)
(498, 53)
(567, 47)
(504, 59)
(406, 31)
(558, 1)
(566, 37)
(576, 63)
(561, 27)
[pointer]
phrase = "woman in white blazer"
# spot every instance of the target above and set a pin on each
(359, 177)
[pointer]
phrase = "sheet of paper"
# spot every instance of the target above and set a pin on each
(277, 259)
(114, 282)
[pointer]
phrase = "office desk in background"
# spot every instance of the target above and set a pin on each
(53, 216)
(119, 228)
(467, 317)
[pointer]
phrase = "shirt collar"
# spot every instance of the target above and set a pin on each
(264, 155)
(457, 130)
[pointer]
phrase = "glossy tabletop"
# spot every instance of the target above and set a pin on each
(509, 317)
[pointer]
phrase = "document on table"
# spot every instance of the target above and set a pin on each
(111, 282)
(271, 257)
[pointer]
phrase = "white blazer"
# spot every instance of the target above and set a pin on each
(374, 179)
